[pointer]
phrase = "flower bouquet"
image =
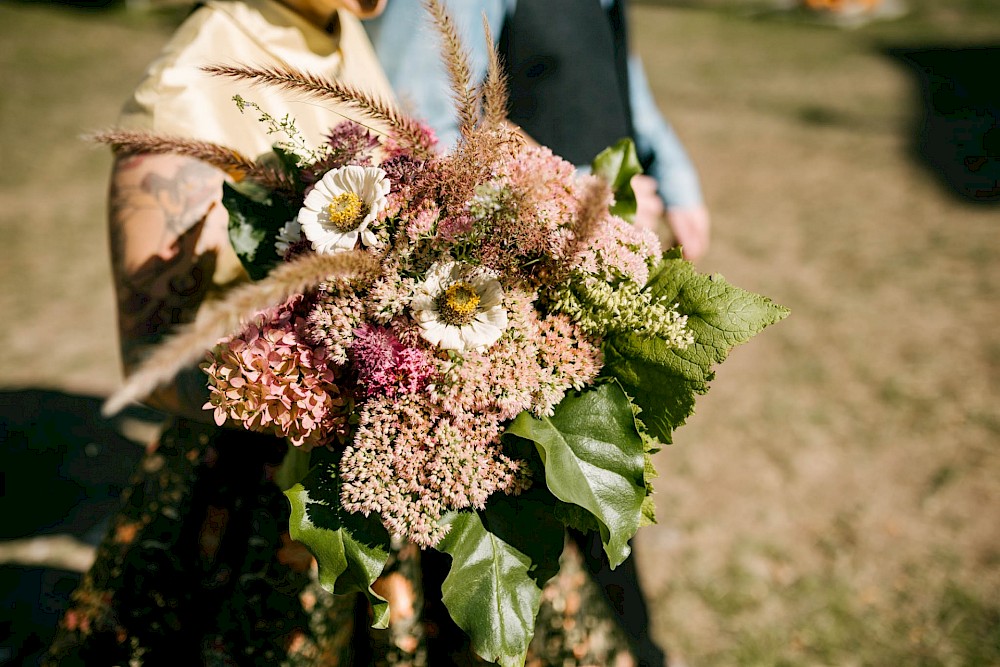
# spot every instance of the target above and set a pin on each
(467, 350)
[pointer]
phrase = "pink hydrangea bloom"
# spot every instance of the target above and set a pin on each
(270, 381)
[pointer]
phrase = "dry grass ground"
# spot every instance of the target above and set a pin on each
(835, 499)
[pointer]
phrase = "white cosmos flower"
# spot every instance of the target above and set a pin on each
(459, 307)
(341, 207)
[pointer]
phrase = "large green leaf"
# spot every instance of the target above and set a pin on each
(255, 218)
(617, 165)
(563, 514)
(527, 523)
(664, 381)
(593, 457)
(499, 565)
(350, 549)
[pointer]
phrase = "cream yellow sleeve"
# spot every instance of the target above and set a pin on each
(176, 97)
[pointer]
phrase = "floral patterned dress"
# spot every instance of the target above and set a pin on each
(198, 568)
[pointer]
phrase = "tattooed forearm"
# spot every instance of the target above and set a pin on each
(184, 198)
(169, 194)
(162, 293)
(166, 227)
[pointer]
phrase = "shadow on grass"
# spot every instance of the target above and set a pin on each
(958, 134)
(62, 469)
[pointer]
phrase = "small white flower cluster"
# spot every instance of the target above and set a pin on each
(288, 235)
(490, 200)
(600, 308)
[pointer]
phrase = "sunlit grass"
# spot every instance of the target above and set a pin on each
(834, 500)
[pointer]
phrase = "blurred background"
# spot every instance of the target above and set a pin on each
(836, 498)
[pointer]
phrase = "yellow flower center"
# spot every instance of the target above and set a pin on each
(458, 304)
(345, 211)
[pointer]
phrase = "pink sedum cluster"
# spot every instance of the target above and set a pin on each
(410, 462)
(423, 449)
(531, 367)
(620, 250)
(385, 366)
(550, 199)
(266, 379)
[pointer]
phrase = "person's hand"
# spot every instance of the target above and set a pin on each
(686, 226)
(691, 229)
(648, 205)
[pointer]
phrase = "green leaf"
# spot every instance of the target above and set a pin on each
(664, 381)
(350, 549)
(286, 161)
(617, 165)
(493, 589)
(593, 457)
(648, 511)
(565, 514)
(294, 467)
(527, 523)
(255, 218)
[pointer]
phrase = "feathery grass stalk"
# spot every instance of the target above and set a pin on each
(217, 319)
(456, 61)
(406, 130)
(494, 92)
(228, 160)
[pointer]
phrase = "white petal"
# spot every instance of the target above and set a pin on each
(490, 294)
(423, 302)
(455, 272)
(497, 316)
(452, 339)
(480, 334)
(434, 282)
(425, 315)
(368, 237)
(433, 331)
(332, 242)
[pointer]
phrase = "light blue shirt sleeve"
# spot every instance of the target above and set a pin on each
(409, 48)
(675, 175)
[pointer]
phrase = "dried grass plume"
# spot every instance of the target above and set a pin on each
(456, 61)
(493, 97)
(405, 129)
(217, 319)
(228, 160)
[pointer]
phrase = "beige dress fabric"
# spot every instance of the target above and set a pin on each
(176, 97)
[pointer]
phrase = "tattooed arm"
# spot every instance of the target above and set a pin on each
(166, 224)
